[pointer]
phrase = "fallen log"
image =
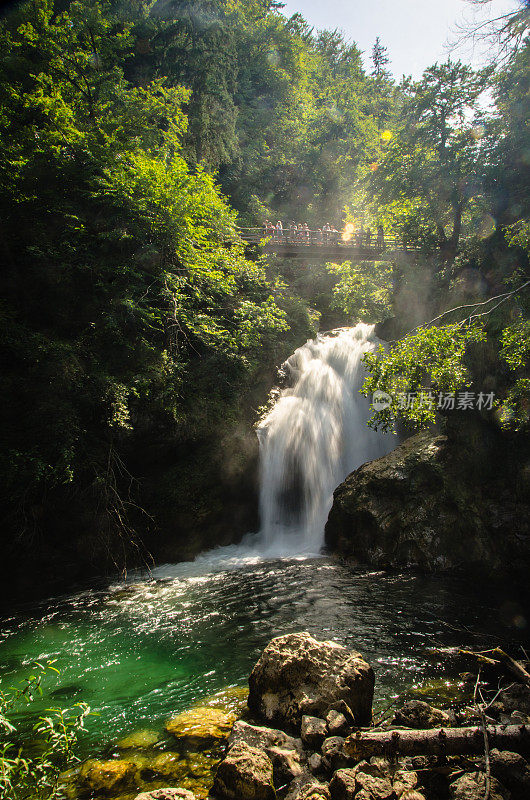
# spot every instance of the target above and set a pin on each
(511, 666)
(438, 741)
(498, 658)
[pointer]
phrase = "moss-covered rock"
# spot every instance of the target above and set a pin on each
(107, 777)
(138, 740)
(231, 699)
(201, 723)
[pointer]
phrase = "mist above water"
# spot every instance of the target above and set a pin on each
(313, 437)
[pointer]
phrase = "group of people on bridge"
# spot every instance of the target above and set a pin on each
(300, 233)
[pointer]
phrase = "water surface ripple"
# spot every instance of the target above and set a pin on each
(141, 652)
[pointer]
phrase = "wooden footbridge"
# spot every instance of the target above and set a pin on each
(325, 244)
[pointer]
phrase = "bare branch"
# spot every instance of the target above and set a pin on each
(503, 33)
(501, 297)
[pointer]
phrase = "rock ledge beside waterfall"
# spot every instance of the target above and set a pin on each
(438, 502)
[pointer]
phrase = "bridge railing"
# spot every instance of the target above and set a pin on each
(287, 237)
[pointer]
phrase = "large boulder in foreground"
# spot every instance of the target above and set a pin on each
(298, 675)
(438, 502)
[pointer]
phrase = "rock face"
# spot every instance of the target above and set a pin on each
(436, 503)
(313, 731)
(370, 780)
(313, 791)
(297, 675)
(286, 765)
(332, 751)
(513, 772)
(262, 738)
(245, 774)
(342, 786)
(337, 723)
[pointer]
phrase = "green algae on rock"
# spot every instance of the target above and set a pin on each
(138, 740)
(201, 723)
(107, 776)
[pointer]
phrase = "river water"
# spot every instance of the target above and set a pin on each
(139, 653)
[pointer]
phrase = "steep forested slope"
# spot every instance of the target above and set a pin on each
(138, 337)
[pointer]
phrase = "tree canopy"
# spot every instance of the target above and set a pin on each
(136, 137)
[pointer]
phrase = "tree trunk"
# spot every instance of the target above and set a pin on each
(457, 226)
(439, 741)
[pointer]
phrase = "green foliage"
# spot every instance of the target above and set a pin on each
(363, 290)
(518, 235)
(506, 178)
(33, 770)
(130, 311)
(432, 165)
(421, 365)
(515, 341)
(129, 303)
(515, 351)
(380, 60)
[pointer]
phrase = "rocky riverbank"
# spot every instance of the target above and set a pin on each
(307, 732)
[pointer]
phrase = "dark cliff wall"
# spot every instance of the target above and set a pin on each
(452, 501)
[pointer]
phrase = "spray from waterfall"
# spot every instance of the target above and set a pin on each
(314, 436)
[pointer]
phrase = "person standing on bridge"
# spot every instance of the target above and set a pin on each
(279, 231)
(326, 231)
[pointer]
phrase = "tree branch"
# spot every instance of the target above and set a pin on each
(472, 316)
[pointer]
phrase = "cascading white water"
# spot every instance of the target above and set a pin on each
(313, 437)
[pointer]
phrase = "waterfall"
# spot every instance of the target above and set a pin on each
(314, 436)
